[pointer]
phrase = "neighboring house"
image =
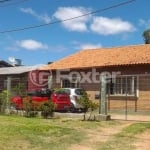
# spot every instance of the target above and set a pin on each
(30, 76)
(131, 63)
(4, 64)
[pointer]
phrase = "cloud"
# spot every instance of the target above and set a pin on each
(31, 45)
(41, 17)
(145, 23)
(90, 46)
(78, 24)
(78, 45)
(107, 26)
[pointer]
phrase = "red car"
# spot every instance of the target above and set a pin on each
(17, 102)
(60, 98)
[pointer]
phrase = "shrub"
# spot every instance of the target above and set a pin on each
(88, 105)
(47, 109)
(4, 100)
(30, 107)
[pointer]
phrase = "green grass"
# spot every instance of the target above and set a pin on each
(35, 133)
(126, 138)
(20, 133)
(46, 134)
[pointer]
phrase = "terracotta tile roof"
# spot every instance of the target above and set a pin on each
(127, 55)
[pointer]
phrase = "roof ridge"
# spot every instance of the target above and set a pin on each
(113, 47)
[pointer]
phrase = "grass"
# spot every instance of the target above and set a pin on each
(35, 133)
(126, 138)
(22, 133)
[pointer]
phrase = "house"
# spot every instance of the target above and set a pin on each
(127, 69)
(30, 76)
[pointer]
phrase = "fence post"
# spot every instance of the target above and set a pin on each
(126, 100)
(103, 101)
(8, 87)
(103, 106)
(7, 110)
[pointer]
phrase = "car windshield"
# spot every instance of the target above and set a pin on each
(79, 91)
(41, 92)
(67, 91)
(60, 91)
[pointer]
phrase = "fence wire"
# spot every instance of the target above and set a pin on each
(126, 95)
(129, 95)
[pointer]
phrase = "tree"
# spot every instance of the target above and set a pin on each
(146, 35)
(87, 104)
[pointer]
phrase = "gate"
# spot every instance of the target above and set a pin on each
(129, 97)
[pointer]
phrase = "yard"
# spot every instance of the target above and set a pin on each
(22, 133)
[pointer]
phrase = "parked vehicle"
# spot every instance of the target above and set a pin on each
(60, 99)
(75, 94)
(16, 102)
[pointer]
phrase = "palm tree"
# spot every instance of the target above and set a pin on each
(146, 35)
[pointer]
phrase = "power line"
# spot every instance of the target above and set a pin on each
(2, 1)
(12, 3)
(60, 21)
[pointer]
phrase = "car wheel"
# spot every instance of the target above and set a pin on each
(72, 109)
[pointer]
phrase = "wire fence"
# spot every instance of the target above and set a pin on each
(129, 97)
(9, 87)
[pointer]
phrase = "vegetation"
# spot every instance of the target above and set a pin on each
(4, 100)
(20, 90)
(146, 36)
(64, 134)
(88, 105)
(30, 107)
(47, 109)
(126, 138)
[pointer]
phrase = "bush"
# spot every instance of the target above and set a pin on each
(4, 100)
(88, 105)
(47, 109)
(30, 107)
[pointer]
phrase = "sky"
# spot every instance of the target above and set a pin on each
(119, 26)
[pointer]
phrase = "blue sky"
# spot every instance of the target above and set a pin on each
(115, 27)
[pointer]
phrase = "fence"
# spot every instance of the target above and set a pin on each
(129, 95)
(126, 95)
(9, 87)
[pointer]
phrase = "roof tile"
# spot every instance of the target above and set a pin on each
(127, 55)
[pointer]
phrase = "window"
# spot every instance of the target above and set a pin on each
(70, 83)
(123, 86)
(66, 83)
